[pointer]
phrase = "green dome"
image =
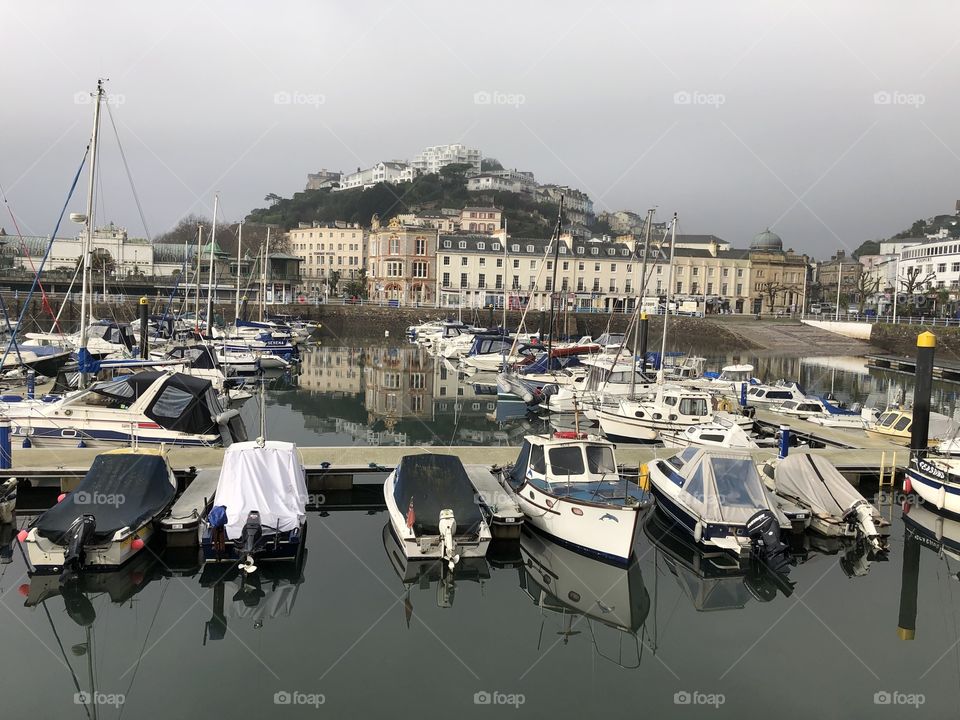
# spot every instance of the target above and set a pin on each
(766, 240)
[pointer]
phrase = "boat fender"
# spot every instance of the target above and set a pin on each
(941, 497)
(907, 485)
(22, 536)
(218, 516)
(698, 531)
(643, 477)
(60, 497)
(26, 442)
(24, 589)
(137, 544)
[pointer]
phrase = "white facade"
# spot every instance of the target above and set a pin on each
(435, 157)
(388, 172)
(110, 245)
(327, 248)
(939, 260)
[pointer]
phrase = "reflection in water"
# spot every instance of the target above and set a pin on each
(711, 580)
(425, 574)
(406, 396)
(569, 588)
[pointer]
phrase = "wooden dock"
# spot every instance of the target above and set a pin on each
(944, 370)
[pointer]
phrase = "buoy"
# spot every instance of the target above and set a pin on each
(22, 536)
(24, 589)
(60, 497)
(907, 485)
(137, 544)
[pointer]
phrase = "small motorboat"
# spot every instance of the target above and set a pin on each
(259, 511)
(717, 497)
(936, 481)
(836, 508)
(569, 487)
(895, 425)
(718, 433)
(775, 394)
(109, 517)
(433, 509)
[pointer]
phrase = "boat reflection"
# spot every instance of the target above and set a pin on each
(267, 594)
(711, 580)
(422, 574)
(571, 588)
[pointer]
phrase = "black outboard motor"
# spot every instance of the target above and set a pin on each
(77, 535)
(764, 529)
(250, 538)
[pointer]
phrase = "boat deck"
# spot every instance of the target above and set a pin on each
(502, 505)
(193, 502)
(849, 438)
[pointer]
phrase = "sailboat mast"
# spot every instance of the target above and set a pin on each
(263, 273)
(642, 289)
(236, 304)
(213, 239)
(553, 283)
(666, 313)
(83, 355)
(196, 301)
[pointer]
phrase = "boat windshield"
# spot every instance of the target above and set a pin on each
(738, 487)
(600, 459)
(565, 461)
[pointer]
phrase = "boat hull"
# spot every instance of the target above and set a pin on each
(46, 556)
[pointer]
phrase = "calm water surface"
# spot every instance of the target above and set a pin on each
(536, 630)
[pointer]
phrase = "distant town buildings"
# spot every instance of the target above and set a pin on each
(431, 159)
(328, 248)
(323, 180)
(393, 171)
(402, 263)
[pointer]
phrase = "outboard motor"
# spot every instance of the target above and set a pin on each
(860, 516)
(250, 538)
(77, 535)
(448, 526)
(763, 529)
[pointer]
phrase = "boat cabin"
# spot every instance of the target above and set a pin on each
(564, 460)
(772, 393)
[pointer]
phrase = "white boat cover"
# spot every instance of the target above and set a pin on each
(814, 481)
(722, 486)
(268, 479)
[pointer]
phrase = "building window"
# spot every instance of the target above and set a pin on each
(533, 264)
(499, 282)
(462, 245)
(496, 247)
(446, 243)
(463, 262)
(446, 279)
(499, 262)
(514, 248)
(481, 246)
(529, 248)
(420, 269)
(421, 246)
(483, 262)
(941, 267)
(446, 260)
(739, 274)
(394, 269)
(613, 267)
(739, 289)
(516, 264)
(679, 287)
(516, 282)
(596, 267)
(394, 246)
(463, 280)
(481, 281)
(580, 250)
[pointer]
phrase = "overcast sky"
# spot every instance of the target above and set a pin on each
(832, 123)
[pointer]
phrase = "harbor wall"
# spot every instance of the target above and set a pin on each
(856, 330)
(901, 339)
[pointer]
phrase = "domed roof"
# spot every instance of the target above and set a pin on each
(766, 240)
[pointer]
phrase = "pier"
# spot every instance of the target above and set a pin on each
(944, 370)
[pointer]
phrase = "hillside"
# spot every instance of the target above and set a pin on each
(427, 193)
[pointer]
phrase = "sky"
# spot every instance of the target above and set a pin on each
(831, 123)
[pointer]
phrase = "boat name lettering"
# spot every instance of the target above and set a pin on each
(931, 469)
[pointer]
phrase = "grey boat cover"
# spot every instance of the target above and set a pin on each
(813, 481)
(434, 483)
(119, 490)
(721, 486)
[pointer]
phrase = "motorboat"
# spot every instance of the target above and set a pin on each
(717, 497)
(768, 395)
(108, 519)
(433, 509)
(895, 425)
(425, 573)
(149, 407)
(46, 360)
(104, 338)
(728, 381)
(570, 488)
(717, 434)
(817, 409)
(606, 380)
(836, 508)
(671, 409)
(936, 481)
(577, 589)
(259, 509)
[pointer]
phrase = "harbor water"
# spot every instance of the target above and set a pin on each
(533, 631)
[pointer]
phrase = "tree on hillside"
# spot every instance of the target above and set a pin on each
(918, 229)
(357, 286)
(272, 198)
(488, 164)
(867, 247)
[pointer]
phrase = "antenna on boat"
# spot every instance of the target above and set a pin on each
(666, 310)
(553, 291)
(261, 437)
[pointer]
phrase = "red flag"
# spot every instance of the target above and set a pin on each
(411, 515)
